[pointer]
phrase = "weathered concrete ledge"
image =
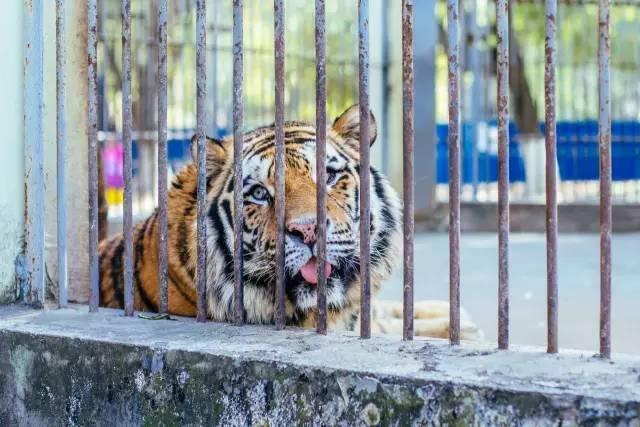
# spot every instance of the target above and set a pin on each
(69, 367)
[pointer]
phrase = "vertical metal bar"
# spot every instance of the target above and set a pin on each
(321, 168)
(61, 137)
(408, 181)
(127, 119)
(453, 46)
(238, 303)
(278, 8)
(34, 148)
(551, 187)
(365, 162)
(92, 75)
(162, 157)
(502, 24)
(604, 141)
(201, 118)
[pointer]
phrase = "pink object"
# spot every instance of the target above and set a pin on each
(112, 158)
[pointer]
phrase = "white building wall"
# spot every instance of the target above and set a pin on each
(11, 146)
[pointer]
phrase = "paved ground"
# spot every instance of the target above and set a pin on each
(578, 293)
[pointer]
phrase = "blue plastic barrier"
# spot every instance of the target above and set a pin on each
(487, 160)
(577, 152)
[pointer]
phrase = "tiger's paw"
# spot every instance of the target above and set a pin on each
(431, 319)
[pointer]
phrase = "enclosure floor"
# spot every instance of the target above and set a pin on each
(579, 285)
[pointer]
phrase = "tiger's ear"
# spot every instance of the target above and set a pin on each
(348, 125)
(217, 153)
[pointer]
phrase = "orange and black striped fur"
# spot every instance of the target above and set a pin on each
(343, 290)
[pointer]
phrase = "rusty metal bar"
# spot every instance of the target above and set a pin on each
(238, 301)
(34, 150)
(453, 46)
(127, 123)
(551, 9)
(365, 162)
(278, 8)
(92, 109)
(604, 141)
(502, 25)
(201, 119)
(163, 256)
(408, 181)
(321, 168)
(321, 173)
(61, 138)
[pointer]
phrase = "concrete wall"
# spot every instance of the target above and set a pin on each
(11, 146)
(71, 367)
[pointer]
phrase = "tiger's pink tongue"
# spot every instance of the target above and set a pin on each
(309, 271)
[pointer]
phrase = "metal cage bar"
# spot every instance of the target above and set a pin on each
(163, 256)
(453, 53)
(365, 162)
(408, 160)
(551, 9)
(279, 52)
(321, 169)
(127, 124)
(604, 141)
(92, 109)
(502, 25)
(238, 303)
(201, 118)
(61, 141)
(34, 150)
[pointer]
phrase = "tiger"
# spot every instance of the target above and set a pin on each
(341, 268)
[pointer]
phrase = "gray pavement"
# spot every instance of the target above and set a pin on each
(579, 286)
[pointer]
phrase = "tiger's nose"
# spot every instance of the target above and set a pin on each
(304, 230)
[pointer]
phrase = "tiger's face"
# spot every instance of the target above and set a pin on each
(341, 268)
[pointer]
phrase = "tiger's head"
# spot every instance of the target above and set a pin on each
(259, 244)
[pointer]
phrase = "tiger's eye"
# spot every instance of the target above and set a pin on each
(259, 193)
